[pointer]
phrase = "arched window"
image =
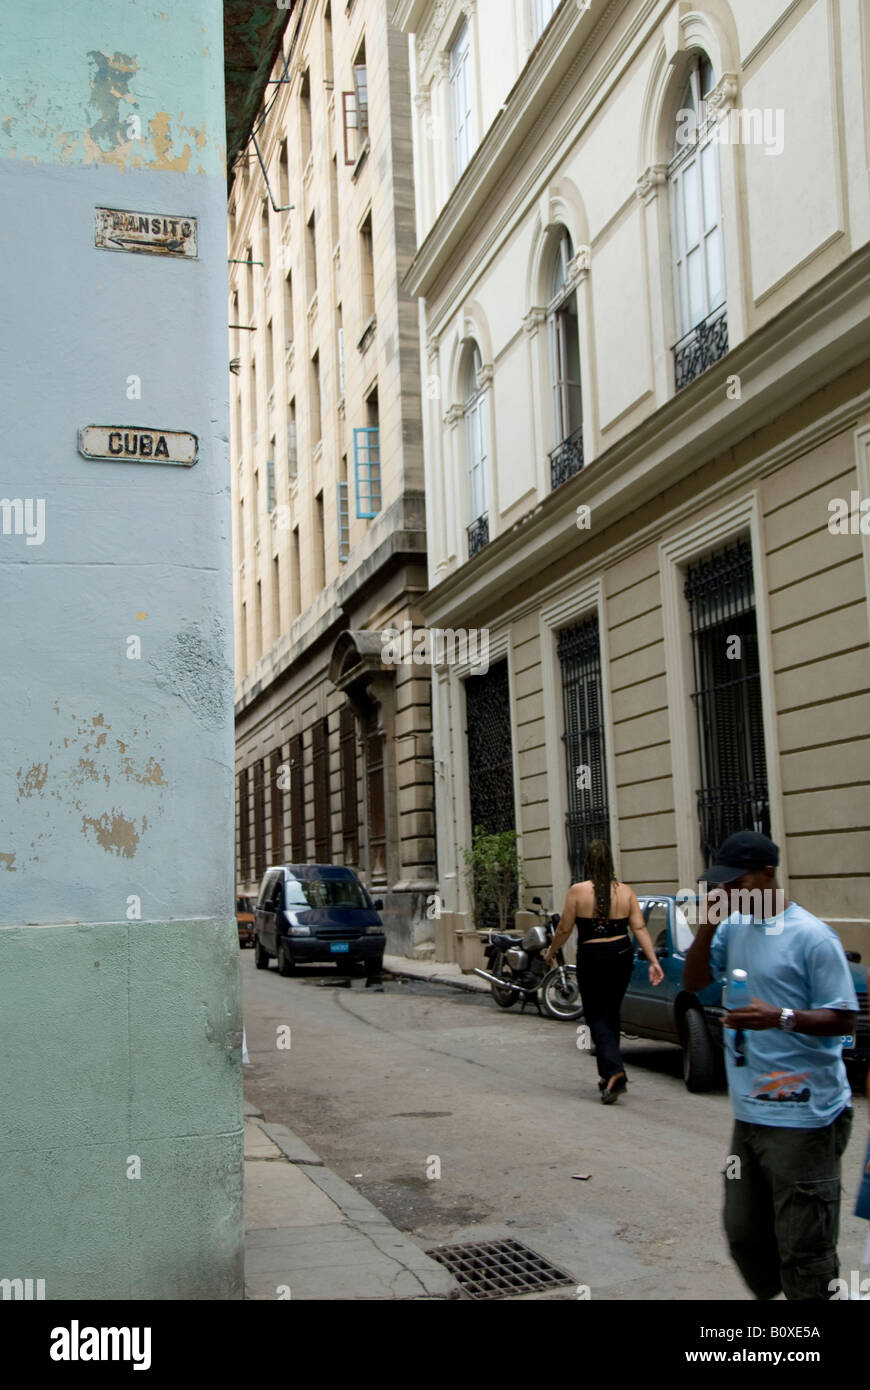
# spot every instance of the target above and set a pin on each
(696, 230)
(564, 328)
(474, 407)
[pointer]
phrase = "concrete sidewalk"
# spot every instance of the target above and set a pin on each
(438, 972)
(310, 1235)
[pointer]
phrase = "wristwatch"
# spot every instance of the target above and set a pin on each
(786, 1019)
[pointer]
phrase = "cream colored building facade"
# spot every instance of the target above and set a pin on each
(333, 743)
(644, 275)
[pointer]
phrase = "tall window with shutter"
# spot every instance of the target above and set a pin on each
(244, 827)
(320, 766)
(367, 467)
(475, 452)
(696, 231)
(298, 838)
(276, 807)
(259, 819)
(462, 115)
(733, 794)
(588, 815)
(349, 806)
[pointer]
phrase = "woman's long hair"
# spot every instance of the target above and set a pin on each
(599, 868)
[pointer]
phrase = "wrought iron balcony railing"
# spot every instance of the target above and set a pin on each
(478, 535)
(705, 344)
(566, 459)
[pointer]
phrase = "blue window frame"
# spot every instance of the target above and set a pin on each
(367, 468)
(270, 485)
(343, 523)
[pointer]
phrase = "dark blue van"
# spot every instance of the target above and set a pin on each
(313, 913)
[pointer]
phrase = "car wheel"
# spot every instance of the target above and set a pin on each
(286, 965)
(261, 959)
(699, 1054)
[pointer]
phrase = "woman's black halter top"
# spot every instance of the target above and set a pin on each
(594, 928)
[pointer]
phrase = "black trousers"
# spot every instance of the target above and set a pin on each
(603, 972)
(782, 1206)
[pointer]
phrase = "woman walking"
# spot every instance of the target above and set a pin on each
(602, 909)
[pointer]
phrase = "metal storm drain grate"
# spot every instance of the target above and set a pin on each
(496, 1268)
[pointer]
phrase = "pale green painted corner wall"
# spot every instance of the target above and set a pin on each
(119, 964)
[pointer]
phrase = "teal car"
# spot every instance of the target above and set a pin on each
(693, 1021)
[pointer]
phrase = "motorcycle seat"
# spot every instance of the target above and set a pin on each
(505, 939)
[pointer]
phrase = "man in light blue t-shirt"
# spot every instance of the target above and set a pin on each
(788, 1085)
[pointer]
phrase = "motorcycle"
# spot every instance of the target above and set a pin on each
(517, 971)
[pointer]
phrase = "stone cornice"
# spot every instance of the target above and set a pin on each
(540, 89)
(427, 40)
(334, 608)
(533, 320)
(807, 346)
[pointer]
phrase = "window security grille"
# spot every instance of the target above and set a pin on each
(490, 766)
(727, 697)
(270, 485)
(367, 466)
(588, 816)
(298, 839)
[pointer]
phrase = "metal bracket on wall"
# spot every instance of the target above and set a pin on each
(275, 207)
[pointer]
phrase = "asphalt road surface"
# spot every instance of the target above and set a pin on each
(461, 1121)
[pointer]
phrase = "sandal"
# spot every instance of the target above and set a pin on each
(610, 1093)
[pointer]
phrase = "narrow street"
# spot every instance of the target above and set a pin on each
(382, 1081)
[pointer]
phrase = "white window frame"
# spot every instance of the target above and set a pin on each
(542, 13)
(696, 219)
(461, 102)
(476, 440)
(559, 357)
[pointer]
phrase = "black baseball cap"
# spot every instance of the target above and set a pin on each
(740, 854)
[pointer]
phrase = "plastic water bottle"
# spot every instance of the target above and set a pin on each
(737, 997)
(738, 990)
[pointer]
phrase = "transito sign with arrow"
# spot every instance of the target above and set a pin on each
(158, 234)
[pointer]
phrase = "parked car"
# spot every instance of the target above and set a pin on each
(311, 913)
(245, 919)
(669, 1013)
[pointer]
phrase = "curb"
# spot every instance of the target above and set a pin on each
(455, 983)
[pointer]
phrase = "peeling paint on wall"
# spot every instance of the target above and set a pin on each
(110, 83)
(114, 107)
(7, 862)
(80, 766)
(115, 833)
(33, 780)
